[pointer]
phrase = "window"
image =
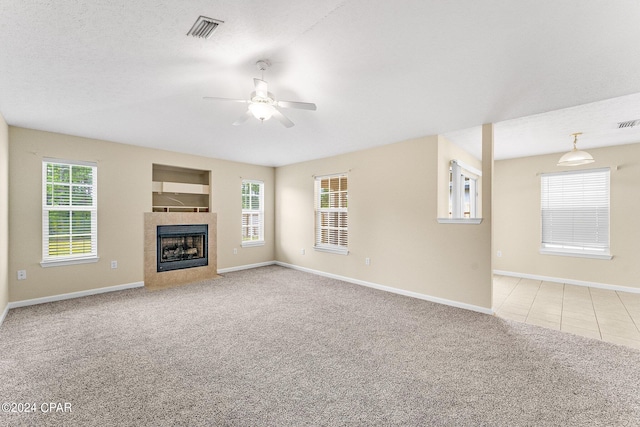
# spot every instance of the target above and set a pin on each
(252, 213)
(575, 213)
(331, 196)
(463, 190)
(69, 212)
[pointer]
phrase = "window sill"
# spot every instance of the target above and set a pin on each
(72, 261)
(545, 251)
(253, 243)
(334, 250)
(459, 220)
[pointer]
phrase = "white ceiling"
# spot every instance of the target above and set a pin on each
(379, 72)
(551, 132)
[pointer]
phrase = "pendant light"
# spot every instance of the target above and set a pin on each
(575, 157)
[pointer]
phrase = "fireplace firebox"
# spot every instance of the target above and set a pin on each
(182, 246)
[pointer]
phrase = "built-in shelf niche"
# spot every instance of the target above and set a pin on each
(178, 189)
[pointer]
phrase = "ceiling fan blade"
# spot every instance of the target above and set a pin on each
(281, 118)
(299, 105)
(243, 118)
(261, 88)
(215, 98)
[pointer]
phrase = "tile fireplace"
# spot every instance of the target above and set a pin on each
(179, 248)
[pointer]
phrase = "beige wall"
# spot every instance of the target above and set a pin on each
(392, 220)
(4, 214)
(124, 194)
(517, 219)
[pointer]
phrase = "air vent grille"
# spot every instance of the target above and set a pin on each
(204, 27)
(628, 124)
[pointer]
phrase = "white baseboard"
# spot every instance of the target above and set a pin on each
(444, 301)
(71, 295)
(245, 267)
(80, 294)
(4, 314)
(568, 281)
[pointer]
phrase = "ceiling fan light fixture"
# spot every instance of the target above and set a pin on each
(262, 104)
(575, 157)
(261, 110)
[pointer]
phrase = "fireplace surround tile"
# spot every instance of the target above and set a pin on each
(158, 280)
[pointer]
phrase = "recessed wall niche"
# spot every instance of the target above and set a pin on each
(178, 189)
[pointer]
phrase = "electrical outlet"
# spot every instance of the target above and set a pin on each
(499, 254)
(22, 274)
(114, 264)
(367, 261)
(235, 251)
(301, 251)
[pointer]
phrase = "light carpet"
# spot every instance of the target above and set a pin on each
(274, 346)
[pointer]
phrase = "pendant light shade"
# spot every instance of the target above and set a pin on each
(575, 157)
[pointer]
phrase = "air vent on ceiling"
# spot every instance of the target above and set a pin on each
(629, 124)
(204, 27)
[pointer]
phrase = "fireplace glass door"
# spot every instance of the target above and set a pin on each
(182, 246)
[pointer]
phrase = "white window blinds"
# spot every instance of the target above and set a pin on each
(252, 213)
(331, 200)
(575, 212)
(69, 211)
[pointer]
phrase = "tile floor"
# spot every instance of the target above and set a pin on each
(606, 315)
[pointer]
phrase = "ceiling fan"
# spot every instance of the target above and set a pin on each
(262, 104)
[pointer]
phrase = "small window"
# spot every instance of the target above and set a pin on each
(69, 212)
(331, 218)
(252, 213)
(463, 190)
(575, 213)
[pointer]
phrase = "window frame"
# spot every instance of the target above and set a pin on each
(259, 212)
(342, 231)
(464, 182)
(49, 260)
(575, 248)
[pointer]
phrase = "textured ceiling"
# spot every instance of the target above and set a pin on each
(550, 132)
(379, 72)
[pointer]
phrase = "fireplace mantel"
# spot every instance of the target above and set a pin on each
(157, 280)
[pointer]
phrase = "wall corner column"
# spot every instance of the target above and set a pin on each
(487, 190)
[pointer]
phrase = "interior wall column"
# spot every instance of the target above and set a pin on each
(487, 188)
